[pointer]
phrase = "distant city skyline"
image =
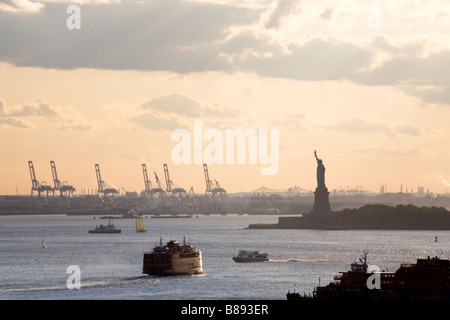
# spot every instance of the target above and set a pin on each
(364, 83)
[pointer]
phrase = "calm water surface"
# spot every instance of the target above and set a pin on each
(111, 264)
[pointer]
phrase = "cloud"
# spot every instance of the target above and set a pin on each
(15, 123)
(284, 8)
(175, 110)
(439, 94)
(359, 126)
(294, 121)
(155, 122)
(259, 37)
(37, 108)
(409, 70)
(314, 61)
(389, 151)
(20, 6)
(163, 113)
(172, 35)
(151, 35)
(67, 118)
(327, 13)
(409, 130)
(175, 103)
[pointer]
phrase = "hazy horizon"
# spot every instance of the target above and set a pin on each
(365, 83)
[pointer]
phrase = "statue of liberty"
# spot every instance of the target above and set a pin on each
(320, 172)
(321, 207)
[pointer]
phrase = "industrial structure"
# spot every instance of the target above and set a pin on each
(102, 188)
(169, 199)
(159, 190)
(36, 185)
(171, 189)
(214, 193)
(150, 192)
(63, 187)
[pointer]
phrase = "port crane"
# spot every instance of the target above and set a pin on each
(147, 182)
(170, 187)
(102, 189)
(160, 189)
(212, 187)
(207, 180)
(213, 191)
(63, 187)
(149, 190)
(35, 184)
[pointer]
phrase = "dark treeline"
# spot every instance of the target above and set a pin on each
(379, 216)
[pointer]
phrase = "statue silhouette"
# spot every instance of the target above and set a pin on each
(321, 208)
(320, 172)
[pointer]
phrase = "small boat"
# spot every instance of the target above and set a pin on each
(44, 245)
(110, 228)
(251, 256)
(139, 224)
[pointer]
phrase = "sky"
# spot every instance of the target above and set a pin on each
(365, 83)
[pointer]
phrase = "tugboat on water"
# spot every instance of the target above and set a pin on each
(110, 228)
(251, 256)
(426, 279)
(173, 259)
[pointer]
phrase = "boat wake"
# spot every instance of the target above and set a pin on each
(286, 260)
(91, 284)
(294, 260)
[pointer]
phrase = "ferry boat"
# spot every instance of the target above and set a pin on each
(426, 279)
(251, 256)
(172, 259)
(110, 228)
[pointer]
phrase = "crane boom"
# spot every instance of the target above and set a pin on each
(34, 182)
(168, 181)
(56, 181)
(170, 186)
(157, 181)
(208, 182)
(147, 183)
(100, 182)
(102, 185)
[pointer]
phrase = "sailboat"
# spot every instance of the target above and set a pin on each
(139, 224)
(44, 245)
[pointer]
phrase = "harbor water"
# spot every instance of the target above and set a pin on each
(110, 265)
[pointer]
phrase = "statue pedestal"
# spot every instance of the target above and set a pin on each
(321, 206)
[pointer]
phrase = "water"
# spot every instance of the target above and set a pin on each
(111, 264)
